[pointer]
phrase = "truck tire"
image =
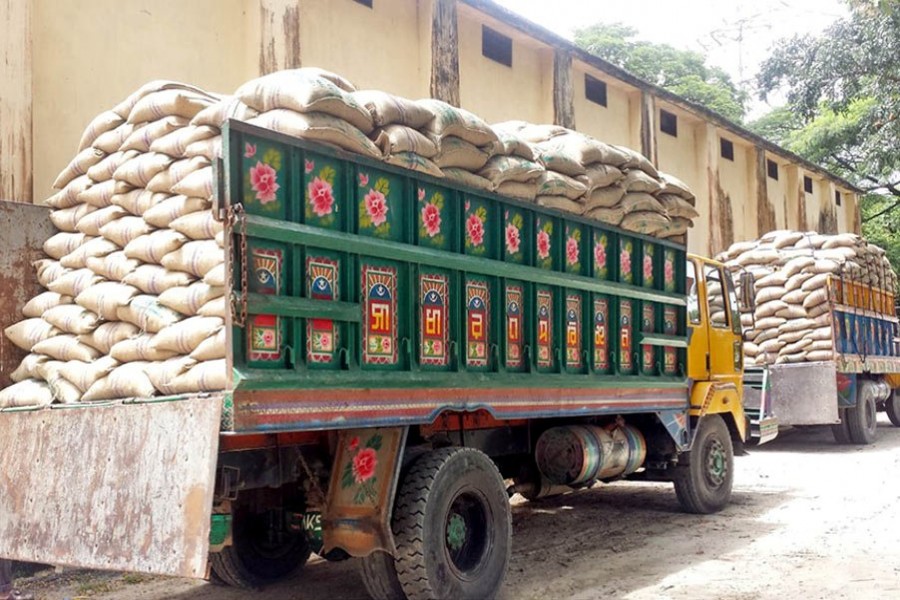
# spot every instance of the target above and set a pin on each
(452, 526)
(259, 554)
(841, 431)
(704, 485)
(892, 408)
(379, 575)
(862, 419)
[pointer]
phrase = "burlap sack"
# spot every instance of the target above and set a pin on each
(84, 374)
(226, 108)
(103, 171)
(792, 311)
(769, 323)
(414, 162)
(387, 109)
(819, 355)
(148, 314)
(110, 141)
(209, 376)
(114, 266)
(320, 127)
(162, 374)
(79, 165)
(394, 139)
(66, 347)
(62, 243)
(769, 308)
(815, 282)
(175, 144)
(25, 334)
(144, 135)
(556, 157)
(641, 202)
(152, 247)
(163, 212)
(197, 257)
(139, 170)
(676, 206)
(74, 282)
(48, 271)
(452, 121)
(466, 178)
(108, 335)
(646, 222)
(44, 301)
(171, 102)
(188, 299)
(92, 222)
(551, 183)
(513, 168)
(125, 381)
(28, 368)
(216, 307)
(138, 348)
(796, 281)
(155, 279)
(215, 277)
(456, 152)
(105, 299)
(778, 278)
(184, 337)
(102, 123)
(196, 184)
(93, 248)
(599, 175)
(605, 197)
(68, 196)
(612, 216)
(124, 229)
(29, 392)
(638, 181)
(66, 219)
(166, 180)
(211, 348)
(518, 189)
(72, 318)
(560, 203)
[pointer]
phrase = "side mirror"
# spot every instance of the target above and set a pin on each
(748, 292)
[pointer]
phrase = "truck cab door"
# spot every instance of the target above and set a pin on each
(723, 325)
(698, 333)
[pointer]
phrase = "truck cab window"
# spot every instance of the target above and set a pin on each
(733, 307)
(693, 300)
(715, 296)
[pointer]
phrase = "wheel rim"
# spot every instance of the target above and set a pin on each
(466, 535)
(269, 540)
(870, 416)
(716, 464)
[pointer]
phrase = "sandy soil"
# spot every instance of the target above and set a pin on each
(809, 519)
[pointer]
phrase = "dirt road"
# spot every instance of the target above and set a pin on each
(809, 519)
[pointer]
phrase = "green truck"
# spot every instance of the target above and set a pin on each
(405, 353)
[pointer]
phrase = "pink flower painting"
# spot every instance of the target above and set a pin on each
(264, 181)
(572, 251)
(249, 150)
(421, 194)
(475, 230)
(376, 207)
(363, 180)
(599, 255)
(512, 239)
(364, 465)
(625, 261)
(648, 267)
(431, 219)
(321, 197)
(543, 245)
(669, 271)
(308, 166)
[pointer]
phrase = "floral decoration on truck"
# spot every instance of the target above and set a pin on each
(261, 185)
(359, 471)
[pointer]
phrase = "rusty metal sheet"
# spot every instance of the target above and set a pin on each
(23, 230)
(123, 487)
(361, 492)
(804, 393)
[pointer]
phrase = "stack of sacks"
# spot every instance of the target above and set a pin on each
(792, 322)
(609, 183)
(135, 300)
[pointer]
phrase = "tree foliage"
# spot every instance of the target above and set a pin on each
(682, 72)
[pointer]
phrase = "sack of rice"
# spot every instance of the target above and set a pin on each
(510, 144)
(43, 301)
(551, 183)
(605, 197)
(139, 347)
(226, 108)
(209, 376)
(560, 203)
(646, 222)
(165, 180)
(529, 131)
(641, 202)
(48, 271)
(815, 282)
(673, 185)
(71, 318)
(171, 102)
(318, 126)
(466, 178)
(162, 374)
(125, 381)
(175, 144)
(387, 109)
(512, 168)
(183, 337)
(211, 348)
(92, 221)
(147, 313)
(110, 141)
(63, 243)
(819, 355)
(103, 171)
(414, 162)
(114, 266)
(164, 211)
(451, 121)
(124, 229)
(105, 121)
(28, 368)
(637, 181)
(25, 334)
(456, 152)
(30, 392)
(214, 277)
(66, 219)
(394, 139)
(74, 282)
(84, 374)
(104, 299)
(154, 279)
(792, 311)
(66, 347)
(198, 184)
(143, 136)
(152, 247)
(676, 206)
(612, 215)
(108, 335)
(188, 299)
(216, 307)
(769, 308)
(556, 158)
(93, 248)
(142, 168)
(518, 189)
(78, 166)
(197, 257)
(68, 196)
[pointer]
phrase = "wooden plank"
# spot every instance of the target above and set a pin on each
(445, 52)
(124, 487)
(563, 91)
(16, 102)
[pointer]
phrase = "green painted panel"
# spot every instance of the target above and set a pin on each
(324, 337)
(514, 310)
(601, 332)
(546, 242)
(434, 307)
(266, 333)
(324, 197)
(545, 330)
(575, 257)
(480, 336)
(515, 228)
(626, 361)
(649, 352)
(627, 260)
(265, 170)
(480, 221)
(381, 204)
(601, 253)
(384, 331)
(434, 213)
(648, 264)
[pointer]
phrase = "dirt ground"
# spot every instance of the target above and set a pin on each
(809, 519)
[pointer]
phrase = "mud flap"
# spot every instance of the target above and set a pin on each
(125, 487)
(357, 518)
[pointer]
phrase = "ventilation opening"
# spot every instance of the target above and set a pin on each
(496, 46)
(837, 197)
(807, 184)
(595, 90)
(364, 2)
(726, 148)
(668, 123)
(772, 169)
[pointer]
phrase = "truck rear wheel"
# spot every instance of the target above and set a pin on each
(263, 551)
(892, 408)
(862, 419)
(379, 575)
(452, 526)
(841, 431)
(703, 486)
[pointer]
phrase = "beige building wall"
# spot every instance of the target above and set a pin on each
(495, 91)
(378, 47)
(776, 193)
(613, 123)
(736, 180)
(88, 56)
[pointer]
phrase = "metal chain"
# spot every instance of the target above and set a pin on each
(237, 219)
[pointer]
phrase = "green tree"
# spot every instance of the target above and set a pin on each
(682, 72)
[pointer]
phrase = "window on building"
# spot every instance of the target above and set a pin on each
(772, 169)
(496, 46)
(668, 123)
(364, 2)
(837, 197)
(726, 149)
(807, 184)
(595, 90)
